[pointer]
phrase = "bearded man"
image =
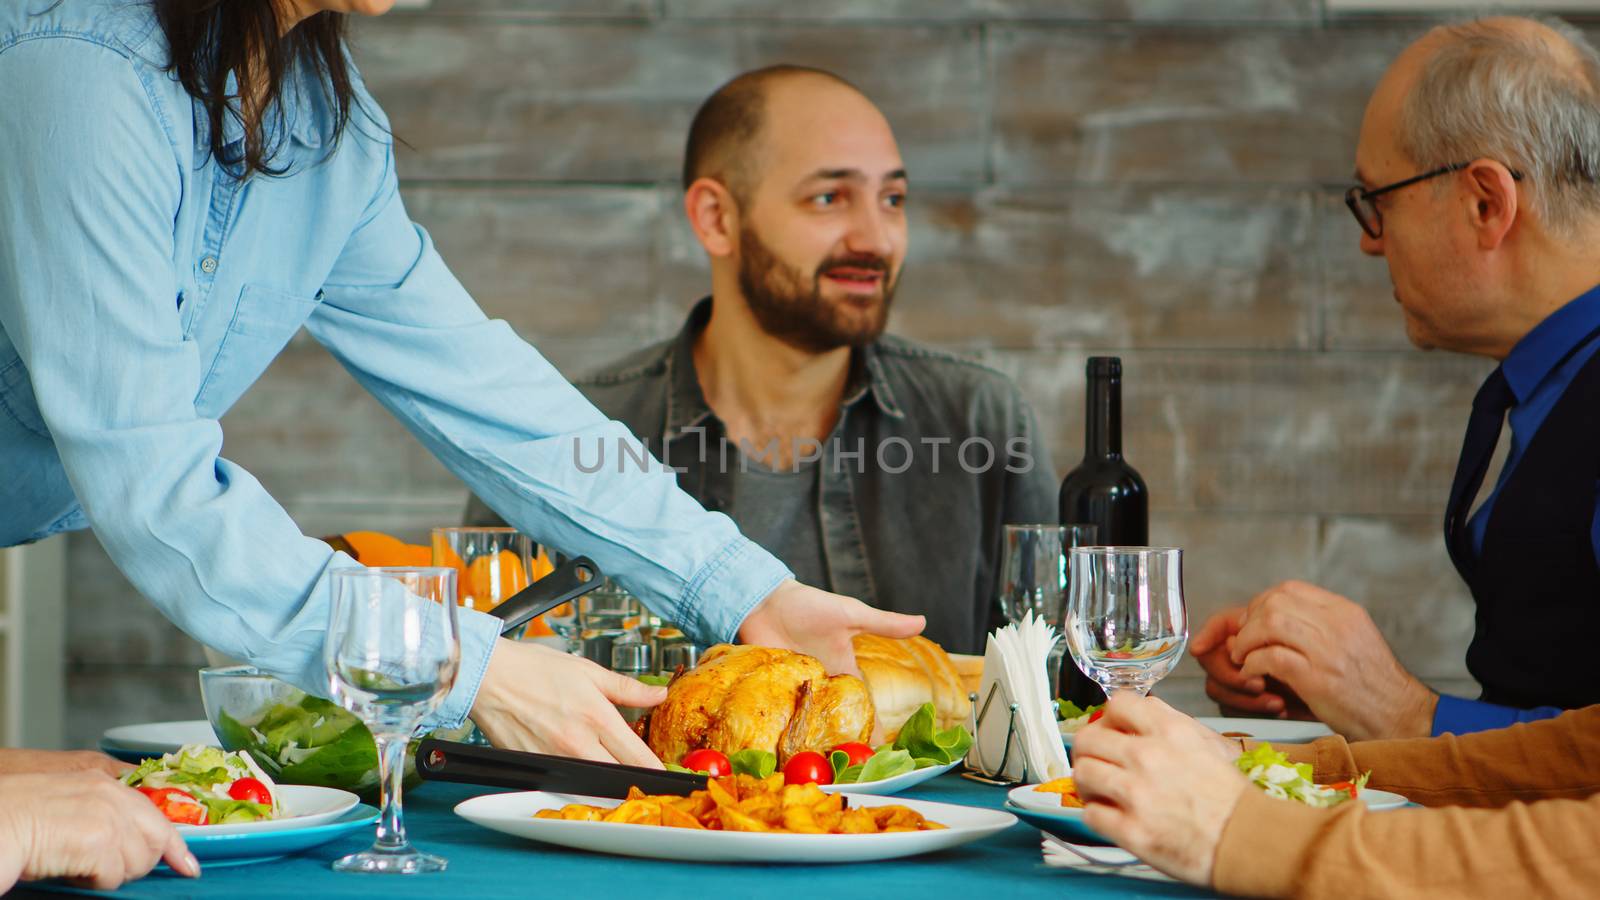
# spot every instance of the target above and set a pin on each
(871, 465)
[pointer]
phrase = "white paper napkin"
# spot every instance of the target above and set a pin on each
(1015, 660)
(1098, 860)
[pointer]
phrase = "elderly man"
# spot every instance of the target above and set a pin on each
(1480, 259)
(868, 464)
(1479, 164)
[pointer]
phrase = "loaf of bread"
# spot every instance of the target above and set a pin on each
(902, 675)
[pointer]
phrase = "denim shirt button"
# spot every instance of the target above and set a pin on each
(208, 265)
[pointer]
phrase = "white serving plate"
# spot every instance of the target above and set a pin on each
(304, 806)
(513, 814)
(895, 785)
(1273, 731)
(157, 738)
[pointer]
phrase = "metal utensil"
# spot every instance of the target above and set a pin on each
(449, 761)
(565, 584)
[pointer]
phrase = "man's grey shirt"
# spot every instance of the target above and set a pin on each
(931, 456)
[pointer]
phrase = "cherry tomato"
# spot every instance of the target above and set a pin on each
(176, 805)
(709, 761)
(250, 789)
(1097, 714)
(857, 751)
(808, 767)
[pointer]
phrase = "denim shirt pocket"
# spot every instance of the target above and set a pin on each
(16, 398)
(263, 322)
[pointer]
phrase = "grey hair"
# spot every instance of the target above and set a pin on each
(1493, 92)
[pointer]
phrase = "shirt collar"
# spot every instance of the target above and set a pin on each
(686, 402)
(302, 108)
(1542, 350)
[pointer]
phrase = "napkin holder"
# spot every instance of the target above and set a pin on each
(976, 768)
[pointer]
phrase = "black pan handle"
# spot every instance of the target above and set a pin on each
(569, 581)
(469, 764)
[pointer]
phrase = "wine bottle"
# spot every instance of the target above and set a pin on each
(1103, 490)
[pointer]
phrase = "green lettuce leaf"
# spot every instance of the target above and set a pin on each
(230, 812)
(921, 741)
(759, 763)
(1066, 709)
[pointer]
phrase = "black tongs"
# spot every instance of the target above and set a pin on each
(468, 764)
(569, 581)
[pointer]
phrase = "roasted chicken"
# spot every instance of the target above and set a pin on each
(759, 698)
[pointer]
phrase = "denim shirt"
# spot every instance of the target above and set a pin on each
(144, 287)
(908, 522)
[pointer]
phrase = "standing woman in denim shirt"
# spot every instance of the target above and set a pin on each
(183, 185)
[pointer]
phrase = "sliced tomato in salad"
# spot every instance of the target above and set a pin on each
(1348, 787)
(176, 805)
(252, 790)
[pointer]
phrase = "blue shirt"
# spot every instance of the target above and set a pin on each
(143, 288)
(1539, 369)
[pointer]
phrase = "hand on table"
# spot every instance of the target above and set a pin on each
(1226, 682)
(84, 826)
(539, 699)
(46, 762)
(1328, 651)
(1158, 783)
(802, 618)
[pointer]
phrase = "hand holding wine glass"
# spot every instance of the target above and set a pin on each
(392, 652)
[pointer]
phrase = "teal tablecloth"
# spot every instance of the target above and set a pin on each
(485, 863)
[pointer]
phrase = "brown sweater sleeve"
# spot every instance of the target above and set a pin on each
(1275, 848)
(1557, 757)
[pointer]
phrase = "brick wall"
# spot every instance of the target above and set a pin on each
(1159, 179)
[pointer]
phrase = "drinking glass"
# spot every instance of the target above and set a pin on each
(392, 652)
(492, 563)
(1126, 624)
(1033, 572)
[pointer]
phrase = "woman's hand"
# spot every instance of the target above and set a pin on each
(539, 699)
(1158, 783)
(802, 618)
(48, 762)
(84, 826)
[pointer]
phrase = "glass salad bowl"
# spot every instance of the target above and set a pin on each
(295, 737)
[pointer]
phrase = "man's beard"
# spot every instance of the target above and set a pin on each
(792, 309)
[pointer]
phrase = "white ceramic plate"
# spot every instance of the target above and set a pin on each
(156, 738)
(1275, 731)
(893, 785)
(1044, 811)
(513, 814)
(304, 806)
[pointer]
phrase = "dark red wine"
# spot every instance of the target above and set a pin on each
(1103, 491)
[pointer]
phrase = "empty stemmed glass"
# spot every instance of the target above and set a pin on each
(1126, 623)
(393, 648)
(1033, 578)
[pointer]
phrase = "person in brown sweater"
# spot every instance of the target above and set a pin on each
(1511, 810)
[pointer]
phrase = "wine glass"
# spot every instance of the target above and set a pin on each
(1034, 579)
(1126, 624)
(393, 648)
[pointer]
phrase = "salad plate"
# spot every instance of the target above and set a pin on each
(133, 743)
(304, 806)
(887, 786)
(215, 846)
(1276, 731)
(1045, 812)
(513, 814)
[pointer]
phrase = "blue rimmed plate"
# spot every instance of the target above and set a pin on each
(1045, 812)
(241, 849)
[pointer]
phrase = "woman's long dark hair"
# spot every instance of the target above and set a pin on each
(210, 39)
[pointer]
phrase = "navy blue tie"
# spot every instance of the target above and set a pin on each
(1483, 432)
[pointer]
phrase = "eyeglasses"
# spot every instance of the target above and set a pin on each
(1360, 200)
